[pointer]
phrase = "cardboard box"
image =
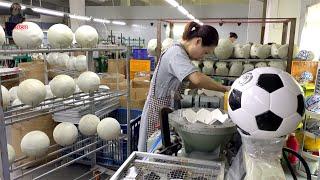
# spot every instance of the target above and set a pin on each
(139, 93)
(112, 66)
(122, 85)
(134, 104)
(111, 78)
(140, 83)
(32, 70)
(18, 130)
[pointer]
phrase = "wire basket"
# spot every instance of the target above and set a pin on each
(156, 167)
(115, 152)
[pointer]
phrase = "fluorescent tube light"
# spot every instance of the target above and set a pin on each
(190, 16)
(84, 18)
(173, 3)
(5, 4)
(48, 12)
(101, 20)
(183, 10)
(119, 23)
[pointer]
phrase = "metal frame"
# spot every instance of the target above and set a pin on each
(52, 105)
(263, 21)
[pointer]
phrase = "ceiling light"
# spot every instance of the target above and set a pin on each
(190, 16)
(5, 4)
(84, 18)
(183, 10)
(135, 25)
(173, 3)
(119, 23)
(48, 12)
(101, 20)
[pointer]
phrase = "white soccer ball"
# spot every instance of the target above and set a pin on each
(63, 58)
(31, 92)
(5, 96)
(109, 129)
(71, 63)
(52, 58)
(261, 64)
(279, 51)
(88, 82)
(166, 43)
(86, 36)
(260, 51)
(266, 103)
(81, 63)
(224, 49)
(49, 94)
(236, 69)
(208, 67)
(242, 51)
(2, 36)
(11, 154)
(65, 134)
(27, 35)
(247, 67)
(60, 36)
(13, 93)
(35, 144)
(88, 124)
(62, 86)
(152, 47)
(222, 69)
(278, 64)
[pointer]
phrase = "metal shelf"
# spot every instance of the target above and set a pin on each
(19, 113)
(49, 50)
(252, 60)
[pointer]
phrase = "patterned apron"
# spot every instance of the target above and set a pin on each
(150, 118)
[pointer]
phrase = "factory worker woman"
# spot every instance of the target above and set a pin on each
(174, 69)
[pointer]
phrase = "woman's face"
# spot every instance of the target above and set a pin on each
(197, 51)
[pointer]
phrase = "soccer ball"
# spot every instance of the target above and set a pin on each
(266, 103)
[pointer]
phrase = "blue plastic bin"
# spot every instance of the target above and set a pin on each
(140, 53)
(116, 151)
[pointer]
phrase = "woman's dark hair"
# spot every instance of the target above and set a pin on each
(209, 34)
(233, 35)
(15, 5)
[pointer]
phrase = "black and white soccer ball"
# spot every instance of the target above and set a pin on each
(266, 103)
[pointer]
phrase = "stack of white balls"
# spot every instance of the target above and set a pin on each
(2, 36)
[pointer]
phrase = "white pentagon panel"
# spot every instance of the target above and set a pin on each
(255, 100)
(290, 83)
(288, 125)
(246, 81)
(244, 120)
(283, 102)
(268, 70)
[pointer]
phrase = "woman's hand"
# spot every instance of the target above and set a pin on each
(200, 80)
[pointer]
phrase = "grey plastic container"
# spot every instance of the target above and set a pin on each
(198, 136)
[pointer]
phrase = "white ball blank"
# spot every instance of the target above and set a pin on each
(224, 49)
(52, 58)
(5, 96)
(152, 47)
(49, 92)
(109, 129)
(62, 86)
(81, 63)
(88, 124)
(31, 92)
(166, 43)
(65, 134)
(88, 82)
(2, 36)
(27, 35)
(71, 63)
(11, 154)
(35, 144)
(60, 36)
(86, 36)
(63, 58)
(13, 93)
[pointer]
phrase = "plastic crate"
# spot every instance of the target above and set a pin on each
(140, 54)
(152, 63)
(116, 151)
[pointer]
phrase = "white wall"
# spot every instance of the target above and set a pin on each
(255, 10)
(228, 10)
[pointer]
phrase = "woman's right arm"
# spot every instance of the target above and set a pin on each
(200, 80)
